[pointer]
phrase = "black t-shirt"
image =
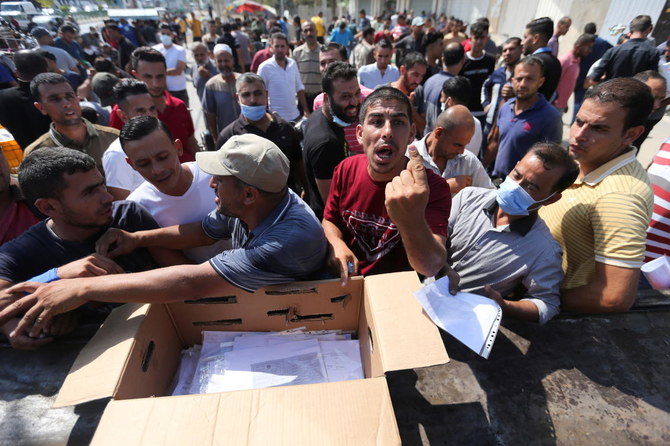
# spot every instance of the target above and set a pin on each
(477, 70)
(552, 74)
(406, 45)
(323, 148)
(280, 132)
(19, 115)
(39, 249)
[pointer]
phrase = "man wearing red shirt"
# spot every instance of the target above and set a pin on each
(149, 66)
(383, 213)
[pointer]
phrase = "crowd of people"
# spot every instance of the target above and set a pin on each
(370, 146)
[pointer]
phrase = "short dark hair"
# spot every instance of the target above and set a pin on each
(113, 27)
(459, 88)
(67, 29)
(590, 28)
(104, 65)
(146, 54)
(42, 172)
(412, 59)
(44, 79)
(385, 93)
(640, 23)
(644, 76)
(543, 26)
(280, 36)
(453, 54)
(429, 38)
(554, 156)
(383, 44)
(226, 28)
(165, 26)
(632, 95)
(335, 46)
(533, 61)
(515, 40)
(368, 31)
(128, 87)
(29, 64)
(336, 70)
(478, 29)
(139, 127)
(585, 38)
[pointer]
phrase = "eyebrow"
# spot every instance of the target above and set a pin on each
(529, 182)
(92, 187)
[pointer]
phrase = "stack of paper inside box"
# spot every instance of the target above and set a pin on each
(231, 360)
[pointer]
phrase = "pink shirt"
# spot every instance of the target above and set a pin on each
(569, 74)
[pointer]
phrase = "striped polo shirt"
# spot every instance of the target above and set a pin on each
(602, 217)
(658, 233)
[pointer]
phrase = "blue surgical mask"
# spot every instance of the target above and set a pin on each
(166, 40)
(253, 112)
(514, 200)
(337, 120)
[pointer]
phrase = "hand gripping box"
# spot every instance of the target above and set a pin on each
(134, 355)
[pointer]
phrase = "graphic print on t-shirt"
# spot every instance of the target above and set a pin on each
(375, 235)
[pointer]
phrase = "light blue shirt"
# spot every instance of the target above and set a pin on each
(288, 245)
(371, 77)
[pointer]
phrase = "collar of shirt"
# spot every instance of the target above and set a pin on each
(521, 226)
(272, 217)
(289, 62)
(538, 104)
(244, 122)
(544, 49)
(64, 141)
(421, 147)
(603, 171)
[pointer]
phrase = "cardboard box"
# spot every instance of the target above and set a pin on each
(135, 353)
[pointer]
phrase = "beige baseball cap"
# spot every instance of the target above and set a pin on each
(255, 160)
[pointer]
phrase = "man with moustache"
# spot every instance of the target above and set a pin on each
(602, 219)
(255, 118)
(66, 187)
(324, 145)
(133, 99)
(412, 72)
(149, 66)
(536, 43)
(498, 87)
(275, 238)
(218, 99)
(307, 58)
(55, 98)
(385, 214)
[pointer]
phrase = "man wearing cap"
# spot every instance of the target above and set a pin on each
(411, 42)
(103, 87)
(46, 41)
(55, 97)
(275, 237)
(218, 99)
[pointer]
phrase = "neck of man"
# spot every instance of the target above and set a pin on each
(381, 70)
(476, 53)
(431, 146)
(76, 132)
(503, 218)
(262, 123)
(281, 63)
(263, 207)
(388, 176)
(526, 103)
(638, 35)
(312, 45)
(183, 184)
(159, 102)
(230, 77)
(585, 169)
(71, 233)
(510, 66)
(453, 69)
(400, 85)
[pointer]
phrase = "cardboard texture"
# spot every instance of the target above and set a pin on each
(136, 352)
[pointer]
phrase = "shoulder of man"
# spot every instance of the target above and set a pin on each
(130, 216)
(43, 141)
(111, 131)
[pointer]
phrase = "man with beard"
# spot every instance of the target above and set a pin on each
(307, 58)
(411, 43)
(478, 67)
(535, 42)
(412, 71)
(498, 88)
(282, 79)
(149, 66)
(526, 119)
(324, 145)
(383, 213)
(55, 98)
(218, 99)
(66, 187)
(275, 237)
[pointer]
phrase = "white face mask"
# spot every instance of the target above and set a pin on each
(166, 40)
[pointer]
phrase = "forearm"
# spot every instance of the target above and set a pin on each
(521, 309)
(192, 145)
(425, 253)
(184, 236)
(332, 232)
(302, 100)
(212, 124)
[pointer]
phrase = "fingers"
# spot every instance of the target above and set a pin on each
(416, 167)
(454, 281)
(21, 341)
(103, 265)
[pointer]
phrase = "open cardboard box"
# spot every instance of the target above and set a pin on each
(134, 355)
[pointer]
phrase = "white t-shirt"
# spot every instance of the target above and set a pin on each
(118, 172)
(283, 86)
(194, 205)
(173, 55)
(475, 143)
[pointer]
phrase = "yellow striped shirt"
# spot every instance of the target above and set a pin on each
(602, 217)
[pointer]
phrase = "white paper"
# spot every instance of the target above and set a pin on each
(186, 371)
(290, 363)
(342, 360)
(470, 318)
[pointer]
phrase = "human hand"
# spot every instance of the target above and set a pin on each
(89, 266)
(21, 340)
(494, 295)
(407, 194)
(507, 91)
(342, 261)
(43, 302)
(62, 324)
(204, 72)
(115, 242)
(459, 182)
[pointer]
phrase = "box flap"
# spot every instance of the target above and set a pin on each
(98, 368)
(351, 412)
(403, 334)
